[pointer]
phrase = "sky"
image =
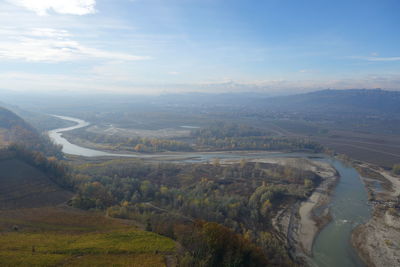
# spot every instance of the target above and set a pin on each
(172, 46)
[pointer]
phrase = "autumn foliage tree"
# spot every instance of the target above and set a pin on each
(211, 244)
(396, 169)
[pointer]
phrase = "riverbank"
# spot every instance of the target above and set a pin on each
(378, 241)
(314, 213)
(301, 222)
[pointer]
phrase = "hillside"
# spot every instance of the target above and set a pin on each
(23, 186)
(24, 180)
(13, 129)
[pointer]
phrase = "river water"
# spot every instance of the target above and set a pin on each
(349, 208)
(332, 247)
(72, 149)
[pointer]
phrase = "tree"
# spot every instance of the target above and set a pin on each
(308, 183)
(216, 162)
(212, 244)
(243, 163)
(396, 169)
(140, 148)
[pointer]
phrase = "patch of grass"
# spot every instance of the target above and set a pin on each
(120, 242)
(63, 236)
(60, 219)
(117, 260)
(25, 259)
(50, 248)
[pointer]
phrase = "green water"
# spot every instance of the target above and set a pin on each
(332, 247)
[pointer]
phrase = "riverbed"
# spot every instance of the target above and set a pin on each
(348, 205)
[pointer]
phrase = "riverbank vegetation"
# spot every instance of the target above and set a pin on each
(135, 144)
(218, 136)
(243, 197)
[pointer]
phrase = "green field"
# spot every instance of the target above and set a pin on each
(125, 247)
(61, 236)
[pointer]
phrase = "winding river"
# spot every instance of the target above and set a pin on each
(72, 149)
(332, 247)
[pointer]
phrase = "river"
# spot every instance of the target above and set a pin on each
(72, 149)
(349, 208)
(332, 247)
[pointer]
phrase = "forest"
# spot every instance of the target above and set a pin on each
(168, 198)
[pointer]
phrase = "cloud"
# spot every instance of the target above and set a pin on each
(376, 58)
(308, 71)
(51, 45)
(174, 73)
(383, 58)
(72, 7)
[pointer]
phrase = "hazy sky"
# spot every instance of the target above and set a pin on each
(152, 46)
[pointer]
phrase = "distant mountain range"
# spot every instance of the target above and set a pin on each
(352, 100)
(355, 100)
(371, 101)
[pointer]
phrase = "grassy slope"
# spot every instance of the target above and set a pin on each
(15, 129)
(22, 185)
(50, 234)
(64, 236)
